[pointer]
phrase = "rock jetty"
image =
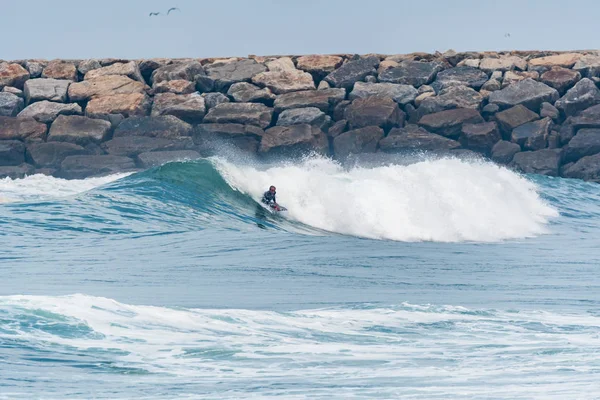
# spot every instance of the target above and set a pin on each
(535, 111)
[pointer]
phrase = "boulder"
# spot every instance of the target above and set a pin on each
(187, 107)
(280, 64)
(80, 167)
(502, 64)
(157, 158)
(561, 79)
(527, 92)
(10, 104)
(12, 75)
(414, 138)
(60, 70)
(374, 111)
(548, 110)
(489, 110)
(587, 168)
(413, 73)
(356, 141)
(244, 92)
(52, 154)
(588, 66)
(543, 162)
(147, 67)
(338, 128)
(165, 126)
(212, 136)
(130, 146)
(310, 115)
(240, 113)
(401, 94)
(585, 143)
(224, 74)
(514, 117)
(17, 172)
(511, 77)
(469, 62)
(581, 96)
(480, 137)
(504, 151)
(214, 99)
(449, 123)
(450, 98)
(47, 111)
(107, 85)
(370, 79)
(176, 86)
(467, 76)
(35, 68)
(323, 85)
(325, 100)
(422, 89)
(319, 65)
(340, 109)
(79, 130)
(351, 72)
(492, 85)
(281, 82)
(566, 60)
(24, 129)
(293, 140)
(187, 71)
(12, 152)
(532, 135)
(46, 89)
(12, 90)
(128, 105)
(130, 70)
(86, 66)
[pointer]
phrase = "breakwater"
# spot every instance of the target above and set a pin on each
(537, 112)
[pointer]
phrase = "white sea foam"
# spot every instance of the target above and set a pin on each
(446, 200)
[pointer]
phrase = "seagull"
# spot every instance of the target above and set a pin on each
(154, 13)
(173, 9)
(507, 35)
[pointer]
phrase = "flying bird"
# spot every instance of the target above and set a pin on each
(507, 35)
(172, 9)
(153, 14)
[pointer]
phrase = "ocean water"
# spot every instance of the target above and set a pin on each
(436, 279)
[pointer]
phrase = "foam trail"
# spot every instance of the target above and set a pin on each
(39, 187)
(446, 200)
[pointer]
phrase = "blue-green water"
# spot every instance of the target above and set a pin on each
(443, 279)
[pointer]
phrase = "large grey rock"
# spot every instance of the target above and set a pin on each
(58, 69)
(176, 86)
(52, 154)
(527, 92)
(224, 74)
(310, 115)
(467, 76)
(401, 94)
(10, 104)
(79, 130)
(17, 172)
(177, 71)
(449, 122)
(211, 137)
(164, 126)
(504, 151)
(214, 99)
(451, 97)
(24, 129)
(548, 110)
(325, 100)
(413, 73)
(514, 117)
(244, 92)
(351, 72)
(12, 90)
(280, 82)
(492, 85)
(86, 66)
(47, 111)
(156, 158)
(130, 146)
(107, 85)
(79, 167)
(130, 70)
(374, 111)
(532, 135)
(293, 140)
(35, 68)
(587, 168)
(46, 89)
(480, 137)
(187, 107)
(12, 75)
(543, 162)
(240, 113)
(147, 67)
(362, 140)
(561, 79)
(588, 66)
(414, 138)
(585, 143)
(583, 95)
(337, 128)
(512, 77)
(12, 152)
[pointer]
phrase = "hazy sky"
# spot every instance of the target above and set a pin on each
(218, 28)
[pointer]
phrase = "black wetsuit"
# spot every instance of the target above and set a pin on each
(269, 198)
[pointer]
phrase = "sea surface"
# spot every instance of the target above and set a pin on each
(435, 279)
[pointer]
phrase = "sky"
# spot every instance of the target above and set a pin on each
(226, 28)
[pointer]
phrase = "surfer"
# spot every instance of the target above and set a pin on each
(269, 198)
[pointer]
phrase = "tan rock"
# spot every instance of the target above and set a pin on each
(129, 69)
(502, 64)
(387, 64)
(319, 64)
(281, 64)
(511, 77)
(566, 60)
(469, 62)
(422, 97)
(107, 85)
(60, 70)
(12, 75)
(285, 81)
(177, 86)
(134, 104)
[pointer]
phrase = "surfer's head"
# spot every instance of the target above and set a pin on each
(272, 189)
